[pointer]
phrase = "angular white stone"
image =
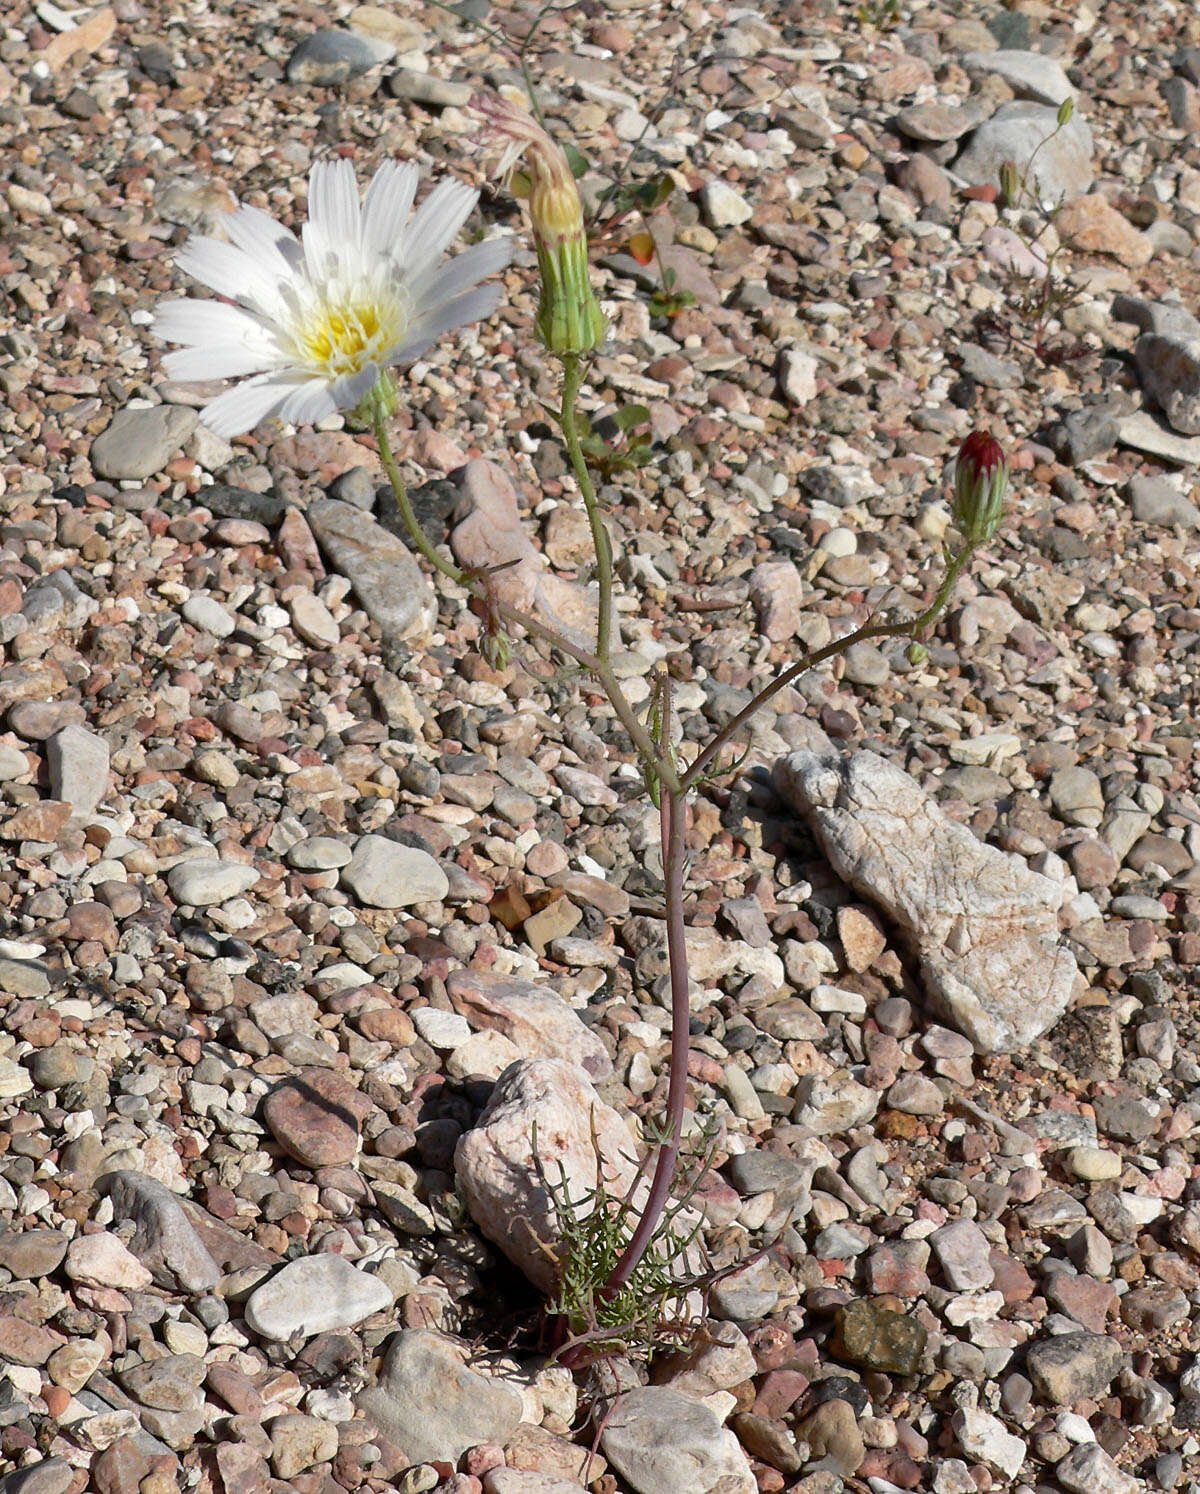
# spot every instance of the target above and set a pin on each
(984, 926)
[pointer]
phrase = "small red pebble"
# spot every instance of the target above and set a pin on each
(986, 193)
(57, 1398)
(769, 1480)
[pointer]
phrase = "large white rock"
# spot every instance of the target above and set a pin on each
(664, 1442)
(984, 927)
(495, 1162)
(432, 1404)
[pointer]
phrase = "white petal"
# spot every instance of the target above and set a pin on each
(246, 405)
(389, 202)
(227, 360)
(308, 403)
(230, 271)
(472, 306)
(441, 283)
(266, 241)
(331, 235)
(435, 224)
(350, 390)
(202, 323)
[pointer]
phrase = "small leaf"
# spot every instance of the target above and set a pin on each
(652, 194)
(576, 160)
(641, 246)
(630, 416)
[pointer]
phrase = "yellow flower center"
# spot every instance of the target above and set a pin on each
(341, 334)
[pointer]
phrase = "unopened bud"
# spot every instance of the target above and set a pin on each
(916, 653)
(1065, 110)
(569, 319)
(980, 483)
(1010, 184)
(496, 649)
(382, 400)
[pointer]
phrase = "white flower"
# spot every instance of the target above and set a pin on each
(317, 319)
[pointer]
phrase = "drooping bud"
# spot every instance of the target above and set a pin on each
(980, 483)
(569, 319)
(1065, 110)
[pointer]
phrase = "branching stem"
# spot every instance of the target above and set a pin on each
(655, 749)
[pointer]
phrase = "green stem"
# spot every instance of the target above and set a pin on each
(908, 629)
(599, 667)
(572, 381)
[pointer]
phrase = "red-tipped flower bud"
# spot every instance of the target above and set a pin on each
(980, 483)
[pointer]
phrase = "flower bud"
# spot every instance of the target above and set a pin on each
(1010, 184)
(382, 399)
(916, 654)
(569, 319)
(1065, 110)
(980, 483)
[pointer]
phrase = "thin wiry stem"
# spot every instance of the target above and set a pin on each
(572, 380)
(909, 629)
(600, 669)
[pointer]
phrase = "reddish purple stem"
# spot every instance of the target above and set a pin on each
(673, 822)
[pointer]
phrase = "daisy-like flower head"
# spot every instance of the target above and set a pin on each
(320, 318)
(569, 319)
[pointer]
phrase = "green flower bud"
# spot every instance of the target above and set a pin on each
(1010, 184)
(569, 319)
(384, 399)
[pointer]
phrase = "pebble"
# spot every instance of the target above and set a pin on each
(77, 761)
(493, 1161)
(315, 1294)
(532, 1016)
(1088, 1469)
(723, 206)
(966, 945)
(1094, 1164)
(101, 1260)
(421, 88)
(1073, 1366)
(984, 1439)
(383, 873)
(313, 621)
(1031, 75)
(315, 1117)
(1063, 168)
(164, 1238)
(964, 1253)
(138, 443)
(328, 58)
(386, 579)
(201, 882)
(1157, 500)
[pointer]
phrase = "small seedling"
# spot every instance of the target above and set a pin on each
(617, 448)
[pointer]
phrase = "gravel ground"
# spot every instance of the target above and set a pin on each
(292, 876)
